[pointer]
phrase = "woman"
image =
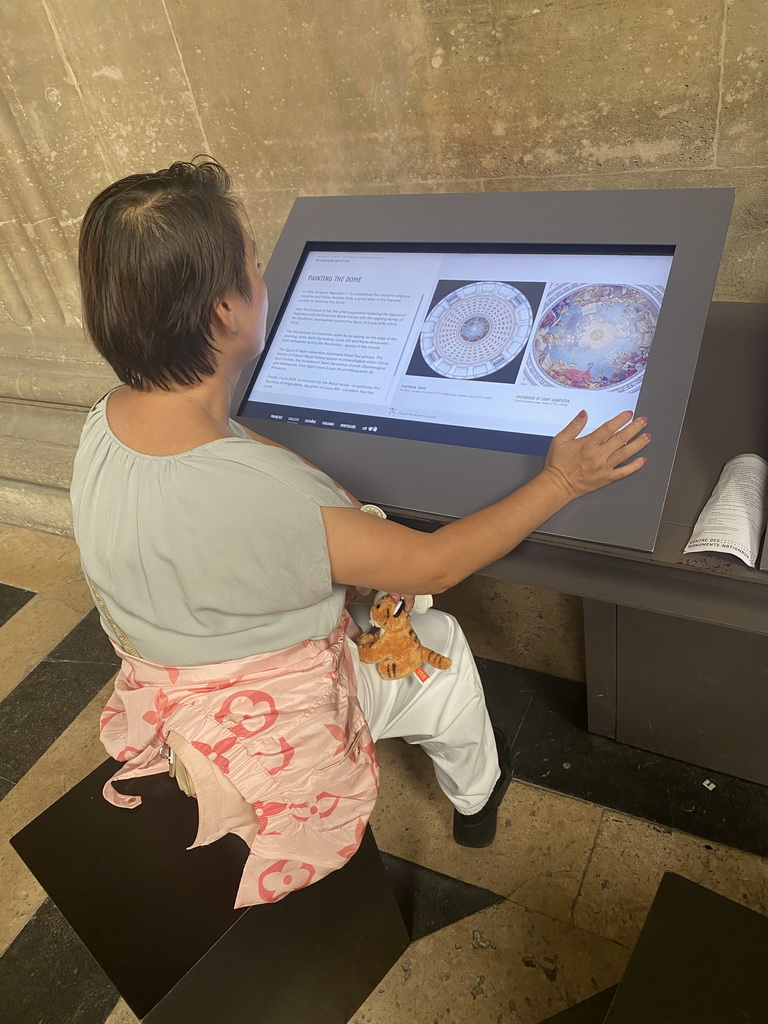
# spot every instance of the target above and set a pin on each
(220, 561)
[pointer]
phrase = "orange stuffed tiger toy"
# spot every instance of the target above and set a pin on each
(394, 647)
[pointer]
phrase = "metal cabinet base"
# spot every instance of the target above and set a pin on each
(690, 690)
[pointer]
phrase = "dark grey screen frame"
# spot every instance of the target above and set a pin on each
(444, 482)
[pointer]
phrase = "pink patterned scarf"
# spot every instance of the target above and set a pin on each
(295, 771)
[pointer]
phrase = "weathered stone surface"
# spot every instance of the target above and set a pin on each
(743, 137)
(28, 421)
(742, 276)
(33, 463)
(48, 366)
(524, 626)
(628, 860)
(427, 91)
(52, 165)
(133, 81)
(36, 506)
(64, 382)
(559, 88)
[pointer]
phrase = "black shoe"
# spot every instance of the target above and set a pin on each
(479, 829)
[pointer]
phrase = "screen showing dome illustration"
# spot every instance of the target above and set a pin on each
(487, 347)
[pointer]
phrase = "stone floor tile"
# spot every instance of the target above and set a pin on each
(541, 849)
(504, 964)
(87, 644)
(48, 976)
(35, 560)
(629, 859)
(121, 1015)
(546, 718)
(43, 706)
(516, 964)
(79, 750)
(519, 625)
(73, 755)
(20, 894)
(12, 600)
(38, 627)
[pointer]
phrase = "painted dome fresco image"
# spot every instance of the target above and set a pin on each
(595, 337)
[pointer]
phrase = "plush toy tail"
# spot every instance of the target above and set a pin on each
(432, 658)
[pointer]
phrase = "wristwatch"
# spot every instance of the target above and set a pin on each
(374, 510)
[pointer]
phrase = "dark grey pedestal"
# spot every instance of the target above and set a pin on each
(700, 959)
(159, 918)
(590, 1011)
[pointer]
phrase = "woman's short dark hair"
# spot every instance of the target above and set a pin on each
(157, 251)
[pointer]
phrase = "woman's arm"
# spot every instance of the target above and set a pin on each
(369, 552)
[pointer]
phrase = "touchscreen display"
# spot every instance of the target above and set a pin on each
(493, 347)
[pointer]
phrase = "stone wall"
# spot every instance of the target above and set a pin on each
(306, 97)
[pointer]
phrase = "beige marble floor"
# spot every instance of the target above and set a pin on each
(577, 878)
(50, 567)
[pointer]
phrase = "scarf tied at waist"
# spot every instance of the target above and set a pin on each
(277, 747)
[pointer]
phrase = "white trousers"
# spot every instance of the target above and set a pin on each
(446, 715)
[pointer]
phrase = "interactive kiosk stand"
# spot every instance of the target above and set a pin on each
(424, 349)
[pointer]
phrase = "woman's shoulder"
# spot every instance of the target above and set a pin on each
(120, 422)
(112, 435)
(155, 431)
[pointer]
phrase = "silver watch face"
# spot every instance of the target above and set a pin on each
(374, 510)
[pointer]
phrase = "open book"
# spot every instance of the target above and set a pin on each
(733, 520)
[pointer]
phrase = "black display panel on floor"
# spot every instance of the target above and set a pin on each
(159, 919)
(700, 958)
(423, 350)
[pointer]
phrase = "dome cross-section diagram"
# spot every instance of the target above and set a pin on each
(476, 330)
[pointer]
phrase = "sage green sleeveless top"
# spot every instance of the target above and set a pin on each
(214, 554)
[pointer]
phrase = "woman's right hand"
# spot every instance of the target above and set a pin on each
(378, 553)
(584, 464)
